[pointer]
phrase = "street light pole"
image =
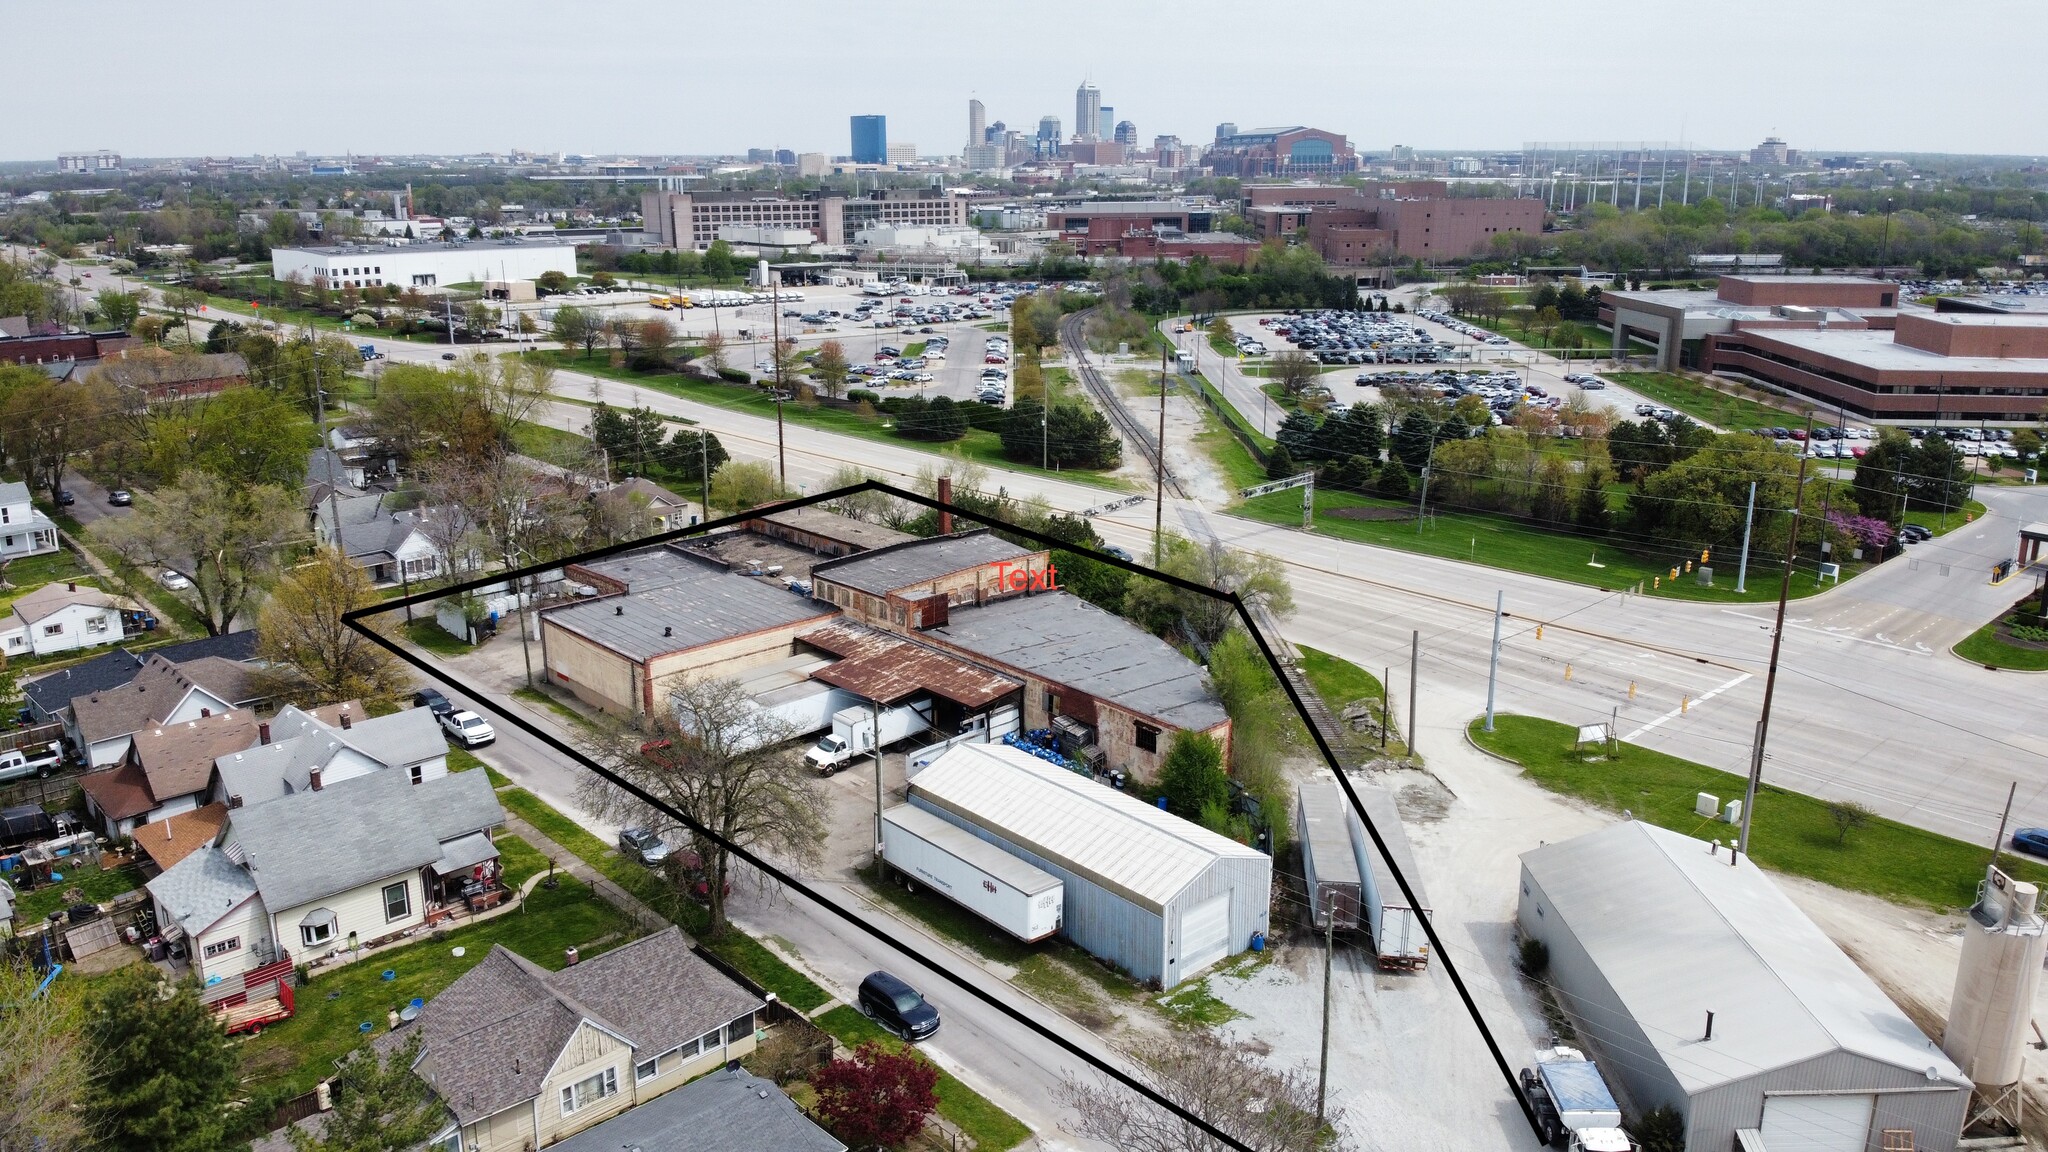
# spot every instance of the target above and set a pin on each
(1500, 600)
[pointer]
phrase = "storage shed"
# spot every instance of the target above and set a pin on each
(1650, 931)
(1158, 896)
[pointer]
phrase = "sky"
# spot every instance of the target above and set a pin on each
(664, 77)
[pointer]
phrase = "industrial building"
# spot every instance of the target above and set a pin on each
(422, 265)
(1701, 986)
(1157, 896)
(1364, 225)
(1851, 341)
(678, 219)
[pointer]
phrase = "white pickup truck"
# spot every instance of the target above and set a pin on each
(37, 761)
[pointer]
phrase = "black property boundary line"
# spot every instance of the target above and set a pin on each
(356, 618)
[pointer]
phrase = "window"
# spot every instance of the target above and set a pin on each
(418, 771)
(6, 515)
(53, 629)
(223, 947)
(452, 1142)
(740, 1029)
(588, 1092)
(704, 1043)
(1148, 738)
(312, 934)
(397, 901)
(96, 624)
(646, 1070)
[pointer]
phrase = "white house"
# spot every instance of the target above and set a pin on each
(395, 547)
(61, 618)
(24, 531)
(329, 745)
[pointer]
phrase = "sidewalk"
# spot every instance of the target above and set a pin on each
(574, 865)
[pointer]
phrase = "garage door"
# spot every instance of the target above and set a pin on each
(1816, 1123)
(1204, 934)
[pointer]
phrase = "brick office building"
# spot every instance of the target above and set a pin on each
(1414, 220)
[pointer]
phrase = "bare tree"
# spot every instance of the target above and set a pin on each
(309, 654)
(1224, 1084)
(724, 764)
(45, 1068)
(225, 537)
(714, 351)
(1295, 371)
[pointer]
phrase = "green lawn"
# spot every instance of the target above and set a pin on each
(99, 885)
(1230, 412)
(991, 1128)
(1938, 522)
(32, 572)
(736, 948)
(518, 860)
(1789, 832)
(978, 445)
(1500, 542)
(428, 634)
(1338, 681)
(168, 608)
(1703, 403)
(1985, 647)
(293, 1055)
(462, 760)
(1229, 454)
(547, 443)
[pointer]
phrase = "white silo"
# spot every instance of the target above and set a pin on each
(1990, 1014)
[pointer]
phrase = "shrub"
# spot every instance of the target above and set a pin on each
(734, 376)
(1535, 957)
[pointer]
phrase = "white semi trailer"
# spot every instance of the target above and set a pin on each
(1394, 921)
(1013, 894)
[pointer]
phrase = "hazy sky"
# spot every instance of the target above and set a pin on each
(690, 76)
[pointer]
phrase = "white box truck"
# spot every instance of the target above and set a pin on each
(789, 713)
(1323, 816)
(857, 731)
(1569, 1097)
(1013, 894)
(1395, 923)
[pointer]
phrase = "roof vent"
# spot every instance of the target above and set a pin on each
(619, 610)
(666, 630)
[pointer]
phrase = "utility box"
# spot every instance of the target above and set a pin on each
(1732, 814)
(1706, 576)
(1707, 805)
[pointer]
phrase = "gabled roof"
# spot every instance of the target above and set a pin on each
(178, 758)
(153, 693)
(655, 493)
(170, 840)
(13, 491)
(237, 646)
(722, 1112)
(200, 889)
(493, 1034)
(1676, 931)
(53, 597)
(52, 694)
(119, 792)
(349, 834)
(301, 741)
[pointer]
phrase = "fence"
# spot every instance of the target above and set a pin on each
(294, 1110)
(1225, 413)
(41, 793)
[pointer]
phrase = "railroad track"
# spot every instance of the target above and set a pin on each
(1128, 425)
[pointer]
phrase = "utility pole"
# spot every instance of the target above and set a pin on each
(1500, 600)
(1748, 517)
(327, 449)
(1329, 953)
(1763, 723)
(875, 734)
(775, 359)
(525, 641)
(1998, 842)
(1159, 472)
(704, 472)
(1414, 671)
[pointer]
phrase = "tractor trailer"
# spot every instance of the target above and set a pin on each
(1394, 921)
(1012, 893)
(1571, 1099)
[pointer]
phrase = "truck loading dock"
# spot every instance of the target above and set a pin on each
(1153, 894)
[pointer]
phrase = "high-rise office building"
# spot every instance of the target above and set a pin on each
(1105, 123)
(870, 139)
(994, 132)
(1048, 135)
(1225, 129)
(1126, 133)
(1087, 111)
(977, 123)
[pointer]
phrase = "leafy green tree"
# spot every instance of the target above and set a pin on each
(1295, 371)
(741, 485)
(308, 653)
(164, 1068)
(718, 260)
(226, 537)
(118, 309)
(1937, 476)
(1638, 448)
(45, 1066)
(380, 1105)
(1880, 483)
(1191, 777)
(551, 281)
(830, 369)
(243, 436)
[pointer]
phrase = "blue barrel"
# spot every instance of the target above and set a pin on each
(1258, 941)
(1162, 803)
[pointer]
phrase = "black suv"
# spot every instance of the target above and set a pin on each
(897, 1006)
(432, 700)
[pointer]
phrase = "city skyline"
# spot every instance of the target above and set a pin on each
(1844, 96)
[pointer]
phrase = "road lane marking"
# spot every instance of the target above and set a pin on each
(1704, 697)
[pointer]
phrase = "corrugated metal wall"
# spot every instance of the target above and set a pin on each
(1103, 923)
(1250, 883)
(1935, 1117)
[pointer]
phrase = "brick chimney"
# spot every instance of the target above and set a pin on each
(234, 800)
(314, 776)
(347, 721)
(945, 505)
(263, 732)
(205, 712)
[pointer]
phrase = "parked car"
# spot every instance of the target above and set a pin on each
(467, 728)
(644, 846)
(447, 355)
(2031, 840)
(432, 700)
(120, 498)
(175, 581)
(16, 763)
(897, 1006)
(66, 497)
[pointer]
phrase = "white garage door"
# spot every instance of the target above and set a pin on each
(1204, 934)
(1816, 1123)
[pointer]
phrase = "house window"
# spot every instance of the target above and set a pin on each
(646, 1070)
(452, 1142)
(53, 629)
(585, 1093)
(222, 947)
(418, 772)
(96, 624)
(1148, 738)
(6, 514)
(739, 1029)
(397, 901)
(314, 934)
(704, 1043)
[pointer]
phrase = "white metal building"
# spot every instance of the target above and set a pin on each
(1156, 895)
(426, 265)
(1650, 931)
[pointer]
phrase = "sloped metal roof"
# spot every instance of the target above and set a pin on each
(888, 669)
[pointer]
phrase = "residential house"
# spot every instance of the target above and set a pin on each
(164, 376)
(167, 771)
(211, 902)
(167, 841)
(731, 1111)
(61, 618)
(160, 692)
(395, 548)
(665, 510)
(24, 530)
(362, 455)
(364, 860)
(335, 743)
(50, 697)
(524, 1057)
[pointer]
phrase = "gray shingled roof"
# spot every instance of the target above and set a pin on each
(150, 695)
(200, 889)
(351, 833)
(1066, 640)
(492, 1035)
(699, 604)
(886, 569)
(53, 693)
(722, 1112)
(301, 742)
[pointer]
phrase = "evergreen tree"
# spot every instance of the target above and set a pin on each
(1280, 464)
(165, 1068)
(1393, 482)
(1414, 438)
(1297, 434)
(1590, 510)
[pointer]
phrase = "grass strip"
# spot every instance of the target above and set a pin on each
(1985, 647)
(1706, 404)
(1790, 832)
(991, 1128)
